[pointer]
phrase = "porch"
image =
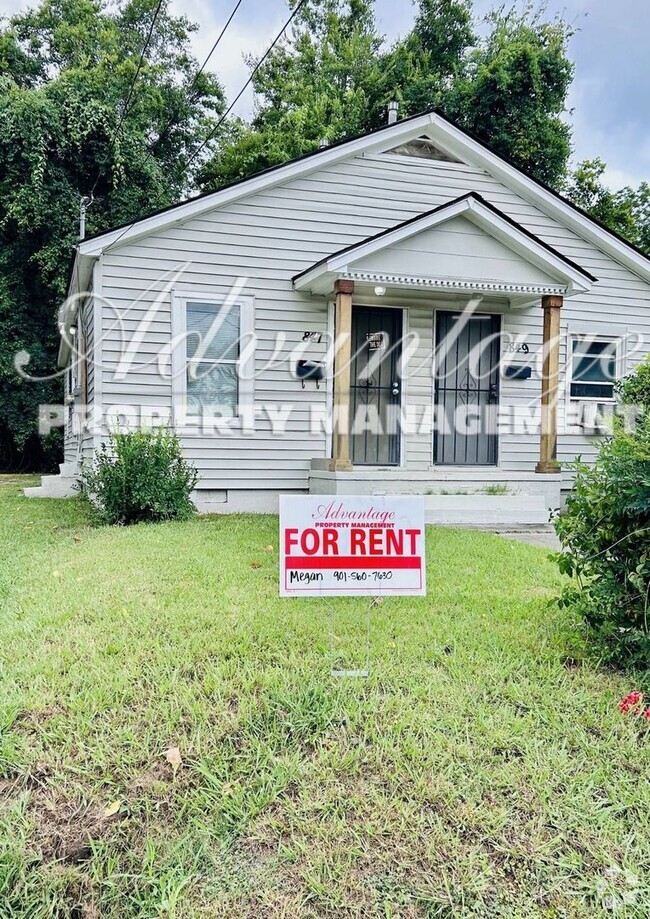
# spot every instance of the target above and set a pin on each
(470, 275)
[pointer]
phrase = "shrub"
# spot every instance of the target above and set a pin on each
(605, 534)
(141, 476)
(634, 389)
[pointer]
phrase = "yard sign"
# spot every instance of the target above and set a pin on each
(340, 545)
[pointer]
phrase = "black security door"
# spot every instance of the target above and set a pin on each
(466, 389)
(375, 386)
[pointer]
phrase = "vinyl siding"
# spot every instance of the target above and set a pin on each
(269, 237)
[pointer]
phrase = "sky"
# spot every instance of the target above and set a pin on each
(609, 98)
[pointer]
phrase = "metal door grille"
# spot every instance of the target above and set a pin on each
(376, 386)
(466, 387)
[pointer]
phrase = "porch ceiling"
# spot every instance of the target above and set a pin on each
(465, 246)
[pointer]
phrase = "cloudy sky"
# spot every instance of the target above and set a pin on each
(610, 97)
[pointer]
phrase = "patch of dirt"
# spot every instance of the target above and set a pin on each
(65, 828)
(152, 780)
(7, 789)
(35, 718)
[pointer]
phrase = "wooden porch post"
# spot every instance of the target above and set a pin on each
(551, 306)
(340, 461)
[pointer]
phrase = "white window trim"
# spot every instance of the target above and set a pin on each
(617, 340)
(179, 362)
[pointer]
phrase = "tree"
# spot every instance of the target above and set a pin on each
(66, 71)
(322, 82)
(626, 211)
(512, 94)
(333, 78)
(420, 71)
(606, 547)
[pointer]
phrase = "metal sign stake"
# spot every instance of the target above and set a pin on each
(334, 671)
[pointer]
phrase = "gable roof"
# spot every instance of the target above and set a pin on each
(452, 140)
(574, 279)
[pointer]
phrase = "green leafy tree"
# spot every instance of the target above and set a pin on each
(323, 82)
(634, 389)
(334, 76)
(512, 92)
(605, 536)
(420, 71)
(66, 71)
(626, 211)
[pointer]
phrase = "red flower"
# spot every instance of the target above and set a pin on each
(646, 714)
(630, 701)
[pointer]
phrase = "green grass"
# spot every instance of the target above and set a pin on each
(481, 770)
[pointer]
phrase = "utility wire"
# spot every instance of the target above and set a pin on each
(241, 92)
(127, 104)
(187, 94)
(215, 46)
(250, 79)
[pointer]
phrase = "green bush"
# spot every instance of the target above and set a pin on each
(605, 534)
(634, 389)
(140, 476)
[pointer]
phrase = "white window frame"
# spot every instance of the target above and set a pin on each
(617, 340)
(180, 363)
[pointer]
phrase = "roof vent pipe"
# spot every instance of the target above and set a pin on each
(393, 109)
(324, 142)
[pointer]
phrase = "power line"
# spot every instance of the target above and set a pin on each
(187, 94)
(250, 79)
(215, 46)
(241, 92)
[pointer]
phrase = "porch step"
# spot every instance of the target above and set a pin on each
(487, 510)
(63, 485)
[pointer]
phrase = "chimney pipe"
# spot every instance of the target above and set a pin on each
(393, 109)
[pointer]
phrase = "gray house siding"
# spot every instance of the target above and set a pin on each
(269, 237)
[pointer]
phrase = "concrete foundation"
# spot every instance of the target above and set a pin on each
(480, 498)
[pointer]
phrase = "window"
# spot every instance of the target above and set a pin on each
(210, 349)
(594, 364)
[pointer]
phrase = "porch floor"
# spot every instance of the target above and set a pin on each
(480, 497)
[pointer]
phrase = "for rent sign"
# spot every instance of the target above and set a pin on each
(351, 545)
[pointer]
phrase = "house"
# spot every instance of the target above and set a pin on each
(405, 312)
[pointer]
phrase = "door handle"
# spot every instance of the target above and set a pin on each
(493, 395)
(395, 389)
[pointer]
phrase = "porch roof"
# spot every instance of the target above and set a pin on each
(465, 245)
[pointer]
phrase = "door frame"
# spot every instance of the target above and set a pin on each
(434, 369)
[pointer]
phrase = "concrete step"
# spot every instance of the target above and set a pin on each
(486, 510)
(53, 486)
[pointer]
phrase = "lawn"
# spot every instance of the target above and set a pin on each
(482, 770)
